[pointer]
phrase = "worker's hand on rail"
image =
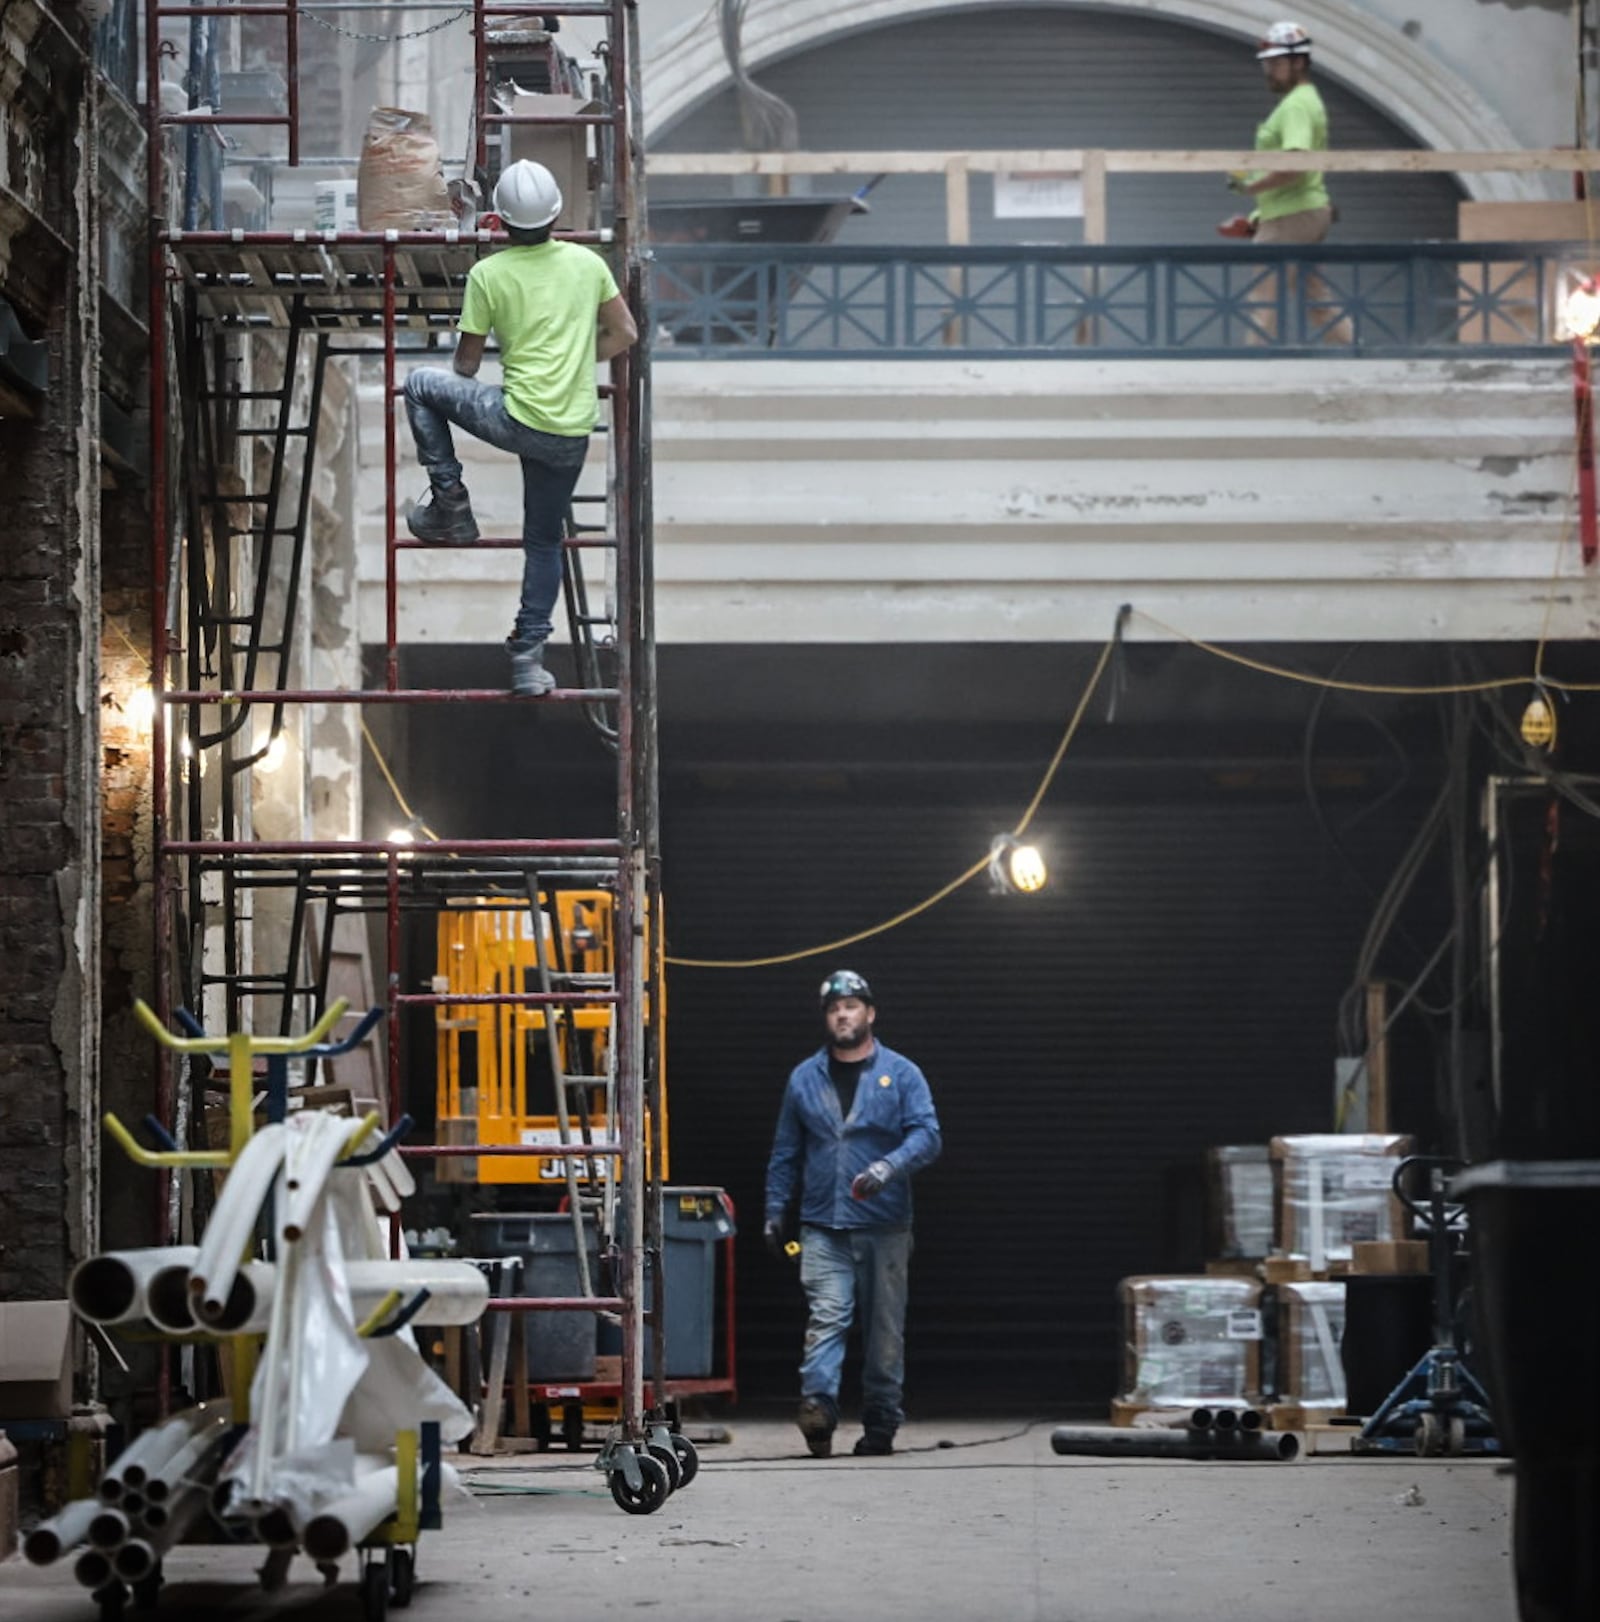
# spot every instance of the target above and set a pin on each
(773, 1234)
(1237, 225)
(872, 1181)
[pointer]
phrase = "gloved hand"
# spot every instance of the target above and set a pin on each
(871, 1181)
(773, 1234)
(1237, 225)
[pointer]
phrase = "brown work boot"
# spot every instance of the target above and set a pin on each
(816, 1419)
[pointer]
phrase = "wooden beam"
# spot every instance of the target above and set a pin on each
(957, 203)
(1094, 198)
(1124, 161)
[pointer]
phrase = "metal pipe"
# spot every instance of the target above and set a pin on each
(1226, 1419)
(93, 1568)
(110, 1288)
(109, 1529)
(169, 1479)
(275, 1527)
(1251, 1419)
(166, 1300)
(334, 1530)
(1111, 1441)
(135, 1559)
(62, 1533)
(1202, 1419)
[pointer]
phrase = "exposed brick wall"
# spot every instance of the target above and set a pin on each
(49, 614)
(38, 630)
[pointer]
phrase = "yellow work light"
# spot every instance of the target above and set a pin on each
(1015, 868)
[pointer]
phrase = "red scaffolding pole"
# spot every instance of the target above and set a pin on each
(247, 282)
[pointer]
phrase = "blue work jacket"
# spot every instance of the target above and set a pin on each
(892, 1119)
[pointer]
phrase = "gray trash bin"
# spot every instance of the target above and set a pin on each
(561, 1345)
(693, 1222)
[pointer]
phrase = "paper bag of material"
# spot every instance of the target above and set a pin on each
(400, 182)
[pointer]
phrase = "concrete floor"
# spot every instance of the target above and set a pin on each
(994, 1527)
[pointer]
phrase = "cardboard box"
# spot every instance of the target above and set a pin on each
(562, 149)
(1335, 1189)
(1520, 319)
(1390, 1256)
(35, 1360)
(1190, 1339)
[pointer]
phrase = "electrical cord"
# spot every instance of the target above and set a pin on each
(962, 878)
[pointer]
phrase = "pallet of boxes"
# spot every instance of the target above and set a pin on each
(1256, 1338)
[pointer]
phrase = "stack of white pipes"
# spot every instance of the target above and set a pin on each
(148, 1499)
(177, 1470)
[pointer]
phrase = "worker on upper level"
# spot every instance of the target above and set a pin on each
(857, 1120)
(1292, 206)
(554, 310)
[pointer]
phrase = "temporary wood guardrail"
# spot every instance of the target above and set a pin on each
(1094, 166)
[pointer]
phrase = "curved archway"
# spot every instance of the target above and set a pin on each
(1372, 58)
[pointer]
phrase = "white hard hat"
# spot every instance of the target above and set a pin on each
(1284, 39)
(527, 196)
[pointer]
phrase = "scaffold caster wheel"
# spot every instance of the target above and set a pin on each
(572, 1426)
(402, 1577)
(688, 1458)
(541, 1428)
(375, 1590)
(1455, 1439)
(147, 1591)
(652, 1493)
(111, 1599)
(667, 1458)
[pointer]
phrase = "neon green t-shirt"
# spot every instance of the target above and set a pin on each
(541, 302)
(1299, 123)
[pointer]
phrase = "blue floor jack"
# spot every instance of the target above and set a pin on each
(1439, 1407)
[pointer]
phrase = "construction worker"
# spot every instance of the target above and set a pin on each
(857, 1120)
(1291, 206)
(554, 310)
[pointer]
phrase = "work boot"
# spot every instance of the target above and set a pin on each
(873, 1444)
(816, 1420)
(447, 517)
(529, 678)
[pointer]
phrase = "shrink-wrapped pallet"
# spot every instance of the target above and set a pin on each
(1335, 1189)
(1189, 1340)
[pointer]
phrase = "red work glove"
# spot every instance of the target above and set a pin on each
(871, 1181)
(490, 222)
(1237, 225)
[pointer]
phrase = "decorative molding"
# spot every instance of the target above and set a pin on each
(1372, 58)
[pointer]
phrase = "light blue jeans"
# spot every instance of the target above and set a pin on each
(843, 1271)
(551, 463)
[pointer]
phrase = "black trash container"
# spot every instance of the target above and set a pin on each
(1538, 1315)
(561, 1345)
(1388, 1325)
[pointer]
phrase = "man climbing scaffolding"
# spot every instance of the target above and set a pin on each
(555, 311)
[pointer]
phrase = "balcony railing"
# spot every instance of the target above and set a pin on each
(1236, 301)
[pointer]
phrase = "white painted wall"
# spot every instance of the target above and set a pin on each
(946, 501)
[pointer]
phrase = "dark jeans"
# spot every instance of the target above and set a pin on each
(551, 463)
(859, 1272)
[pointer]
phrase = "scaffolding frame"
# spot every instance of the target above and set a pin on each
(308, 288)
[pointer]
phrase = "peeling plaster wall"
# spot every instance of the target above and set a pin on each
(927, 501)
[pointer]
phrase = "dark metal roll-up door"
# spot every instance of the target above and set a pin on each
(1042, 77)
(1175, 988)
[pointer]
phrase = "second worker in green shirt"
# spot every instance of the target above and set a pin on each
(1292, 206)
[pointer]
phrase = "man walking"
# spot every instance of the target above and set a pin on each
(555, 311)
(1291, 206)
(857, 1120)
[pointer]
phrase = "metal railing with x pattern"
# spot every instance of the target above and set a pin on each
(1191, 301)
